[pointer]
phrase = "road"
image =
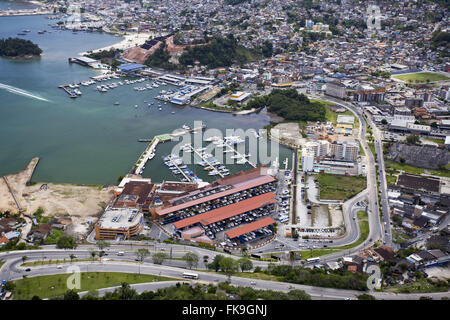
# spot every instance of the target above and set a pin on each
(317, 293)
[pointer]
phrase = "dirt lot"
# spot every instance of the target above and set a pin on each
(82, 203)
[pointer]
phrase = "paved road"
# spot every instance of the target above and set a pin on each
(148, 268)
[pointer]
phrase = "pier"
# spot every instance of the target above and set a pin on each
(206, 160)
(239, 154)
(145, 156)
(179, 169)
(187, 129)
(70, 93)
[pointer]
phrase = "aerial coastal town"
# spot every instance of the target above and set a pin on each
(357, 91)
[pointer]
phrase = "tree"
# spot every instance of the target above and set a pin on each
(245, 264)
(366, 296)
(142, 253)
(66, 242)
(292, 256)
(125, 292)
(35, 298)
(229, 266)
(101, 244)
(93, 253)
(158, 258)
(299, 295)
(215, 264)
(191, 259)
(71, 295)
(9, 286)
(384, 121)
(413, 139)
(72, 256)
(24, 258)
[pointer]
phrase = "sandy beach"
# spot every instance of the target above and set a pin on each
(129, 41)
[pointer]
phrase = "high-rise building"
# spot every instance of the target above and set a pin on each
(335, 89)
(345, 150)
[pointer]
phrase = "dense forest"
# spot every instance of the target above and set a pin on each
(339, 279)
(15, 47)
(189, 292)
(220, 52)
(290, 105)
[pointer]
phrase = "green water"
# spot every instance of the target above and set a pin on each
(86, 140)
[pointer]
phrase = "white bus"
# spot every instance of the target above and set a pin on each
(190, 275)
(317, 259)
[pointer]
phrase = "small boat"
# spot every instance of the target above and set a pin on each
(159, 109)
(116, 103)
(173, 112)
(135, 105)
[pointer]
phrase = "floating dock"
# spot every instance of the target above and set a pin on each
(239, 154)
(206, 160)
(70, 93)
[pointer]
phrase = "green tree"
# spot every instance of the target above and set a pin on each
(142, 253)
(101, 244)
(71, 295)
(66, 242)
(229, 266)
(191, 259)
(245, 264)
(215, 264)
(93, 253)
(384, 121)
(158, 258)
(24, 258)
(125, 292)
(366, 296)
(413, 139)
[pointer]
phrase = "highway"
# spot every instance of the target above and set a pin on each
(317, 293)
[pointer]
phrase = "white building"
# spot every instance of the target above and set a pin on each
(307, 160)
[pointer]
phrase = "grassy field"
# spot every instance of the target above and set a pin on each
(307, 254)
(438, 141)
(421, 77)
(361, 150)
(416, 170)
(47, 262)
(372, 148)
(417, 287)
(56, 285)
(334, 187)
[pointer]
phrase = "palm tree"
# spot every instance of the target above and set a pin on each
(24, 258)
(72, 256)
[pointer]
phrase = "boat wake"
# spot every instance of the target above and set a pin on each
(21, 92)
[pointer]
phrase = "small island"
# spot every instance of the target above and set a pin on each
(19, 48)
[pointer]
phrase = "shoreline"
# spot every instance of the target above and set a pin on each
(136, 39)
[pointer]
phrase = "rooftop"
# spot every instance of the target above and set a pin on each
(228, 211)
(249, 227)
(119, 218)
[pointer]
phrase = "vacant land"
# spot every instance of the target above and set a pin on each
(56, 285)
(81, 203)
(415, 170)
(332, 187)
(421, 77)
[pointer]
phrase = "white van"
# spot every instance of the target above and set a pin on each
(120, 253)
